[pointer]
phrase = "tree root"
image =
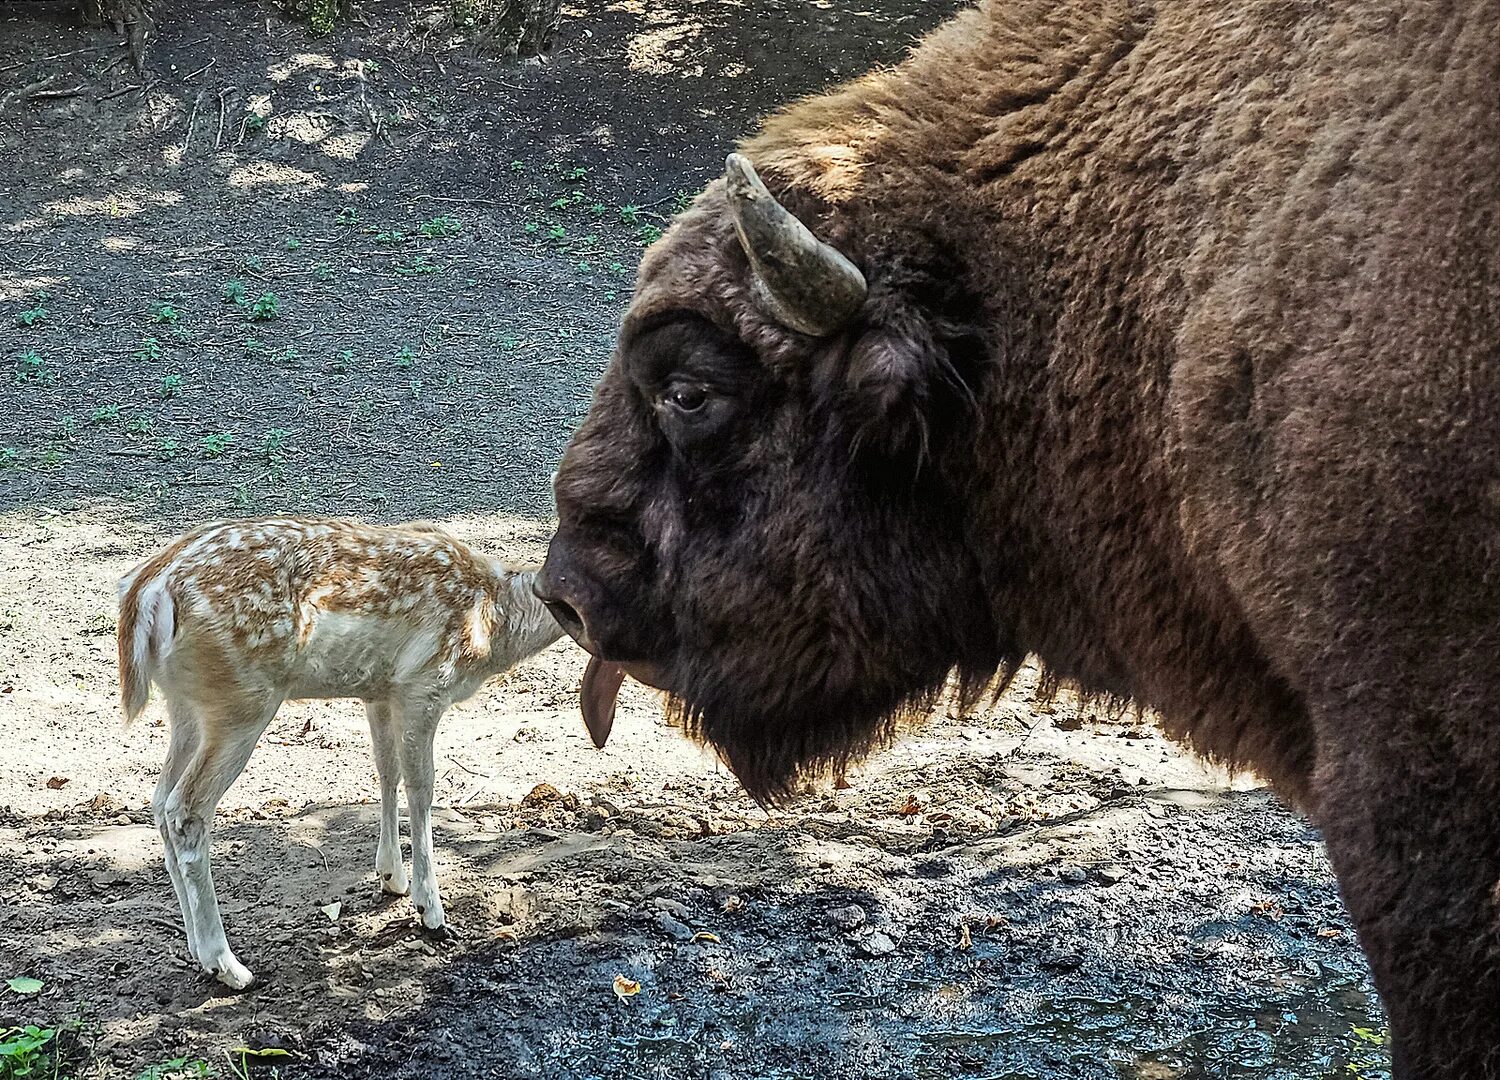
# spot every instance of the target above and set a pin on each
(127, 17)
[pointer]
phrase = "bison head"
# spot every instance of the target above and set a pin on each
(764, 512)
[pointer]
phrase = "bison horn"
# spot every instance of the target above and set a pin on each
(802, 282)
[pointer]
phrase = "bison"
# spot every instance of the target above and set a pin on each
(1160, 342)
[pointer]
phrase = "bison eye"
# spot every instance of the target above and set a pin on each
(688, 399)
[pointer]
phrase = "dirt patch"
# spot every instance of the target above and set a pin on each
(375, 274)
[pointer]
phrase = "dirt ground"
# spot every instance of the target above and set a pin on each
(374, 274)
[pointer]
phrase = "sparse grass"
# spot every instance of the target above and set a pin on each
(252, 264)
(32, 370)
(274, 446)
(390, 236)
(441, 227)
(139, 426)
(165, 313)
(105, 414)
(167, 449)
(170, 387)
(150, 350)
(416, 267)
(213, 446)
(265, 308)
(179, 1068)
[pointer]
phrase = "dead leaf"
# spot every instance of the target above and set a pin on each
(965, 941)
(625, 988)
(56, 782)
(733, 903)
(1329, 932)
(910, 807)
(704, 935)
(505, 933)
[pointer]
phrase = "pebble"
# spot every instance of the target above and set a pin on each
(1074, 875)
(875, 945)
(670, 906)
(674, 928)
(848, 918)
(1112, 874)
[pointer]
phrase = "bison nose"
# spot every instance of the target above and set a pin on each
(554, 589)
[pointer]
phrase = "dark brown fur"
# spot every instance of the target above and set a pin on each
(1180, 370)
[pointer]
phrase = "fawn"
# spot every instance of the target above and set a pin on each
(235, 617)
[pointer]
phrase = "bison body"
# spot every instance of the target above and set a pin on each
(1161, 342)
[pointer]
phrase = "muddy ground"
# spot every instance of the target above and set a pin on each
(375, 274)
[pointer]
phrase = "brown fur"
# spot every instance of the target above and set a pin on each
(1179, 369)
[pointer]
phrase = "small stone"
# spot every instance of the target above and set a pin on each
(674, 928)
(851, 917)
(541, 795)
(1074, 875)
(670, 906)
(1112, 874)
(876, 944)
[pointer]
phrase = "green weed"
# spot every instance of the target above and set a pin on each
(105, 414)
(292, 244)
(406, 357)
(149, 351)
(139, 425)
(390, 236)
(167, 449)
(170, 387)
(441, 227)
(24, 1052)
(323, 272)
(274, 445)
(214, 445)
(179, 1068)
(253, 264)
(420, 265)
(233, 291)
(32, 370)
(648, 234)
(32, 316)
(348, 216)
(265, 308)
(165, 313)
(68, 425)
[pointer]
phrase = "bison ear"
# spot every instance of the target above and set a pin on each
(895, 376)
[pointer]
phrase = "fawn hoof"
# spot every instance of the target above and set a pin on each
(230, 972)
(432, 915)
(395, 883)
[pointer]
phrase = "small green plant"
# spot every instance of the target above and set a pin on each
(23, 1052)
(630, 215)
(274, 444)
(405, 358)
(9, 455)
(292, 243)
(348, 216)
(68, 425)
(517, 166)
(532, 228)
(252, 264)
(149, 351)
(617, 268)
(31, 369)
(105, 414)
(576, 174)
(139, 425)
(556, 232)
(265, 308)
(171, 386)
(165, 313)
(340, 363)
(290, 356)
(648, 234)
(52, 458)
(254, 347)
(233, 291)
(390, 236)
(255, 121)
(420, 265)
(1369, 1054)
(179, 1068)
(167, 449)
(323, 272)
(214, 445)
(440, 227)
(33, 315)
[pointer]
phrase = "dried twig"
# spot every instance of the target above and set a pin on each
(117, 93)
(200, 71)
(192, 119)
(219, 137)
(27, 91)
(46, 95)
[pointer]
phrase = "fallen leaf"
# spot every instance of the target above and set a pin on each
(965, 941)
(1329, 931)
(625, 988)
(910, 807)
(332, 910)
(25, 985)
(56, 782)
(704, 935)
(733, 903)
(505, 933)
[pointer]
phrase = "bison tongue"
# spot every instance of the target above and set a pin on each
(601, 686)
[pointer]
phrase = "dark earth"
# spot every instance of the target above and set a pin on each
(374, 273)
